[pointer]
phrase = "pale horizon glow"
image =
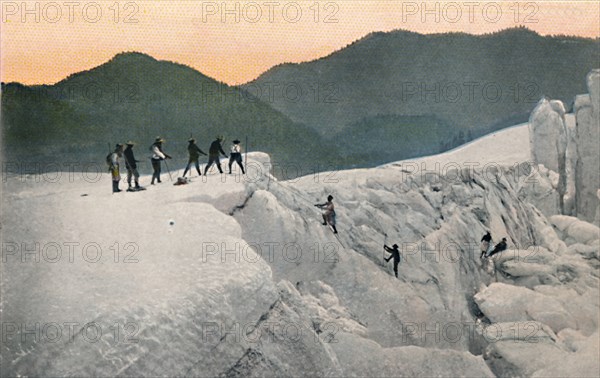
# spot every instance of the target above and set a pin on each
(44, 45)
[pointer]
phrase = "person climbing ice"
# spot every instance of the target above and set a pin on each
(486, 242)
(395, 254)
(329, 213)
(498, 248)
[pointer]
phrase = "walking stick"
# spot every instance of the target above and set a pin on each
(383, 253)
(246, 154)
(167, 166)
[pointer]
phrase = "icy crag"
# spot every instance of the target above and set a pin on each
(207, 296)
(567, 144)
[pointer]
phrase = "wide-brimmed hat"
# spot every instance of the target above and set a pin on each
(395, 246)
(118, 146)
(158, 140)
(130, 143)
(236, 142)
(191, 140)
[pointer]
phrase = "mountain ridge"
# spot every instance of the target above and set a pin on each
(476, 84)
(134, 96)
(374, 84)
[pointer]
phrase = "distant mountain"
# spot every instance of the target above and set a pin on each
(373, 140)
(386, 97)
(473, 84)
(134, 96)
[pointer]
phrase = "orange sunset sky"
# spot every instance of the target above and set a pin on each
(235, 41)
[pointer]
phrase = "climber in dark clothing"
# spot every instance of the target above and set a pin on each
(213, 154)
(194, 151)
(486, 242)
(131, 165)
(498, 248)
(395, 255)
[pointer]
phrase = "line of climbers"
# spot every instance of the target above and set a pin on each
(158, 155)
(488, 248)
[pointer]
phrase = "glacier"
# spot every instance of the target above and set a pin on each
(236, 276)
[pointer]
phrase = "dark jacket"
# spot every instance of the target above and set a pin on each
(487, 238)
(215, 148)
(130, 161)
(194, 151)
(395, 253)
(499, 247)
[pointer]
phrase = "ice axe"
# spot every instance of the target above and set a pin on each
(384, 236)
(168, 170)
(383, 253)
(246, 155)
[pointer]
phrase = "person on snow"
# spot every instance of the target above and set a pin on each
(486, 241)
(114, 167)
(131, 166)
(213, 154)
(157, 155)
(395, 254)
(329, 213)
(498, 248)
(236, 155)
(194, 152)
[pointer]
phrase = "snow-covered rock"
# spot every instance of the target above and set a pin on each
(571, 160)
(366, 358)
(502, 303)
(237, 276)
(540, 187)
(584, 360)
(548, 135)
(520, 349)
(588, 134)
(573, 230)
(568, 145)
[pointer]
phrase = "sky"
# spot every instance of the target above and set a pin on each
(42, 42)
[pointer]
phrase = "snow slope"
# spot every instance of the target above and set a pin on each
(236, 276)
(505, 147)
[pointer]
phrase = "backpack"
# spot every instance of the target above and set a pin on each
(109, 159)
